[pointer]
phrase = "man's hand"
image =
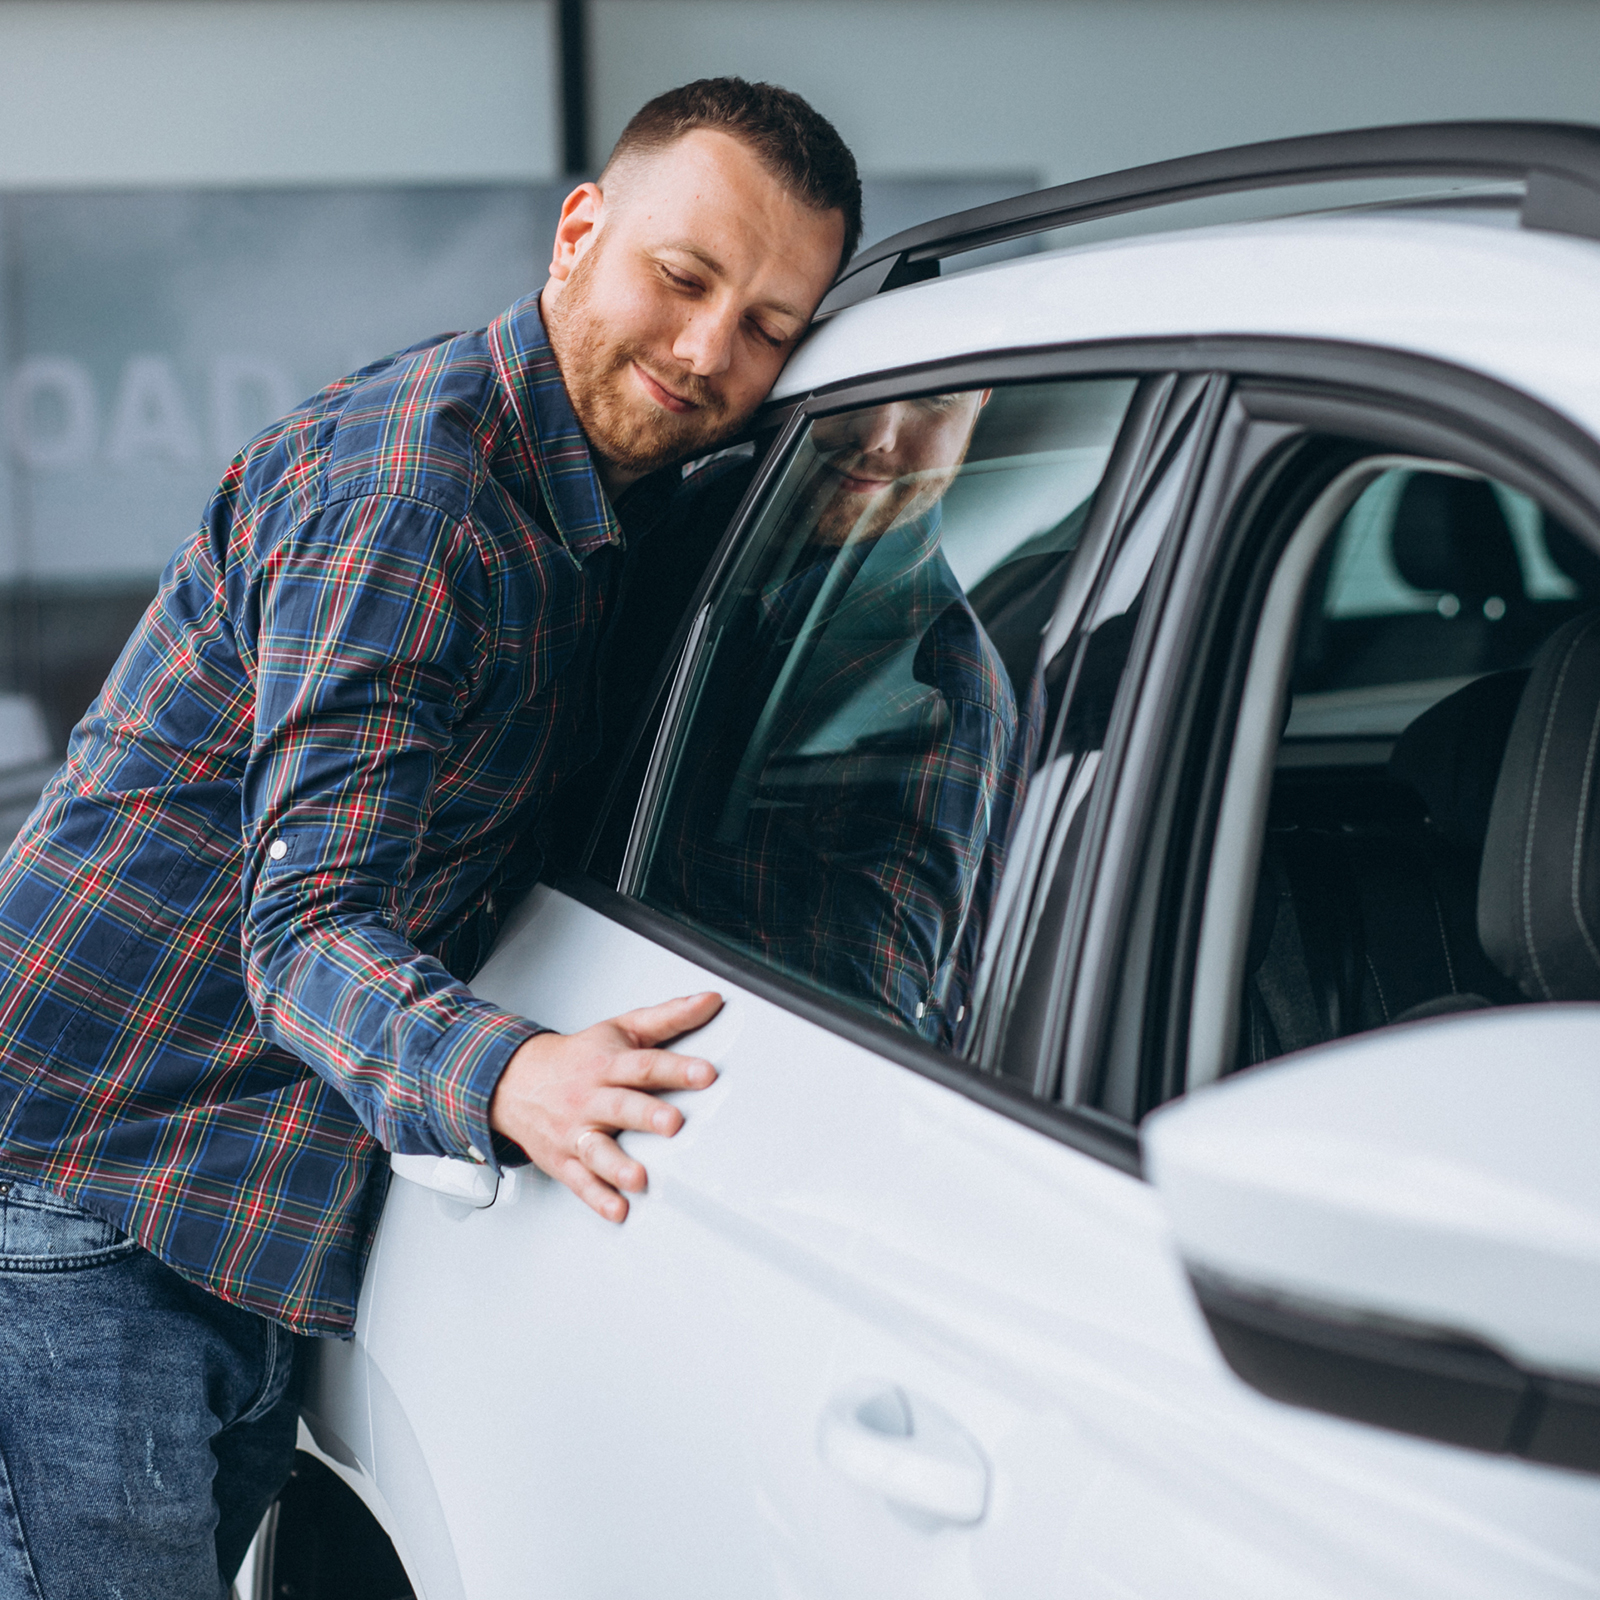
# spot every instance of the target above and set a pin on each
(564, 1095)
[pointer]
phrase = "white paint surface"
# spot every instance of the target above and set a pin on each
(1520, 306)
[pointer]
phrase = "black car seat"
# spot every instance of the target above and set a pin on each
(1539, 891)
(1364, 914)
(1450, 538)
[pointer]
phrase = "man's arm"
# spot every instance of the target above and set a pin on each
(375, 620)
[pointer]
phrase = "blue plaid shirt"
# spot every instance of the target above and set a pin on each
(234, 932)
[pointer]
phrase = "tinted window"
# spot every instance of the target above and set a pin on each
(865, 716)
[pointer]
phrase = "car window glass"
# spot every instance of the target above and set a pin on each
(863, 723)
(1368, 908)
(1023, 950)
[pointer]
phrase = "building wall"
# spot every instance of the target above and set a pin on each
(107, 93)
(168, 92)
(1073, 87)
(209, 208)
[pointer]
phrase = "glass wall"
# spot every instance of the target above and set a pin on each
(145, 336)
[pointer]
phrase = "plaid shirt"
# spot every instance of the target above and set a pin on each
(234, 933)
(851, 780)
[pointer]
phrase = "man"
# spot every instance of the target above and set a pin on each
(234, 934)
(856, 757)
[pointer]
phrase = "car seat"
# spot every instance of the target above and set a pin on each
(1367, 900)
(1539, 891)
(1450, 538)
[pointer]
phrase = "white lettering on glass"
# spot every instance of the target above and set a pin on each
(148, 417)
(50, 412)
(246, 394)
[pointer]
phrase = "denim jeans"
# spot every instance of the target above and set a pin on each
(145, 1425)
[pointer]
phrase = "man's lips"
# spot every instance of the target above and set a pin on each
(859, 483)
(663, 396)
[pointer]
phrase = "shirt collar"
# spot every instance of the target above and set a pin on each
(526, 367)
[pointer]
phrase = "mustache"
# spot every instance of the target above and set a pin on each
(690, 386)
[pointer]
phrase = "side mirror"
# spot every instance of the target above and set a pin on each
(1404, 1228)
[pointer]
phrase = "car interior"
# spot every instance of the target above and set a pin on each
(1424, 835)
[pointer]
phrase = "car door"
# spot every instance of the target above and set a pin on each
(899, 1313)
(1264, 843)
(666, 1407)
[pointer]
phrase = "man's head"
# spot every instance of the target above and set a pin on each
(681, 280)
(885, 464)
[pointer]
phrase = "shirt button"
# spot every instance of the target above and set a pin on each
(475, 1152)
(277, 849)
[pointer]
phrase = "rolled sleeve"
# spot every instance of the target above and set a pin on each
(374, 621)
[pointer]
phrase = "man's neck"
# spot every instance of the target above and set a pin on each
(615, 480)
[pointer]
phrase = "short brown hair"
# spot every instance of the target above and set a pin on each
(796, 143)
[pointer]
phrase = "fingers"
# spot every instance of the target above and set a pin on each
(605, 1158)
(595, 1193)
(660, 1070)
(651, 1025)
(625, 1108)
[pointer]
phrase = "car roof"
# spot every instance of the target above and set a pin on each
(1518, 305)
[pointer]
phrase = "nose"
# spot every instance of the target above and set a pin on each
(877, 430)
(705, 342)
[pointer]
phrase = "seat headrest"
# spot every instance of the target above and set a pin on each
(1539, 886)
(1575, 558)
(1451, 535)
(1451, 754)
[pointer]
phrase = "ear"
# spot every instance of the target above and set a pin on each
(581, 212)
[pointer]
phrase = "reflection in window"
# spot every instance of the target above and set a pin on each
(863, 723)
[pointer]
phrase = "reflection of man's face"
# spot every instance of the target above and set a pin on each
(889, 463)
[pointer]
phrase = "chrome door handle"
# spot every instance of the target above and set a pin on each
(466, 1181)
(903, 1447)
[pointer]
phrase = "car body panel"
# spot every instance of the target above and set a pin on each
(594, 1403)
(554, 1405)
(1517, 306)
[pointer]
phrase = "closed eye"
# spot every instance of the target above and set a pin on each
(677, 279)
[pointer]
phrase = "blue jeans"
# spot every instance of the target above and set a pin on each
(145, 1425)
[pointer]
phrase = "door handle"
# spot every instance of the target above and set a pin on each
(466, 1181)
(903, 1447)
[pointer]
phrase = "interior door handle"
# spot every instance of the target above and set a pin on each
(466, 1181)
(903, 1447)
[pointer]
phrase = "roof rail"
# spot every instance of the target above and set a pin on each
(1559, 162)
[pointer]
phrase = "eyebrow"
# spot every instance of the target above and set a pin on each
(711, 264)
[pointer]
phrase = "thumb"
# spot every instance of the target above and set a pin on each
(653, 1025)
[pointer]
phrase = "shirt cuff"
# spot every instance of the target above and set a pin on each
(463, 1071)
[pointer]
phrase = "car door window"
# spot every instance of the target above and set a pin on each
(1368, 906)
(867, 708)
(1353, 882)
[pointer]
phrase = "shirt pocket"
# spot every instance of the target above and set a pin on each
(40, 1231)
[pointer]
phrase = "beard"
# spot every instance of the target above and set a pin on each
(843, 517)
(624, 427)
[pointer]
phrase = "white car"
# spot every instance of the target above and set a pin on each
(1215, 679)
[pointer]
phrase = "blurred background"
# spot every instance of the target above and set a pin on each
(209, 208)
